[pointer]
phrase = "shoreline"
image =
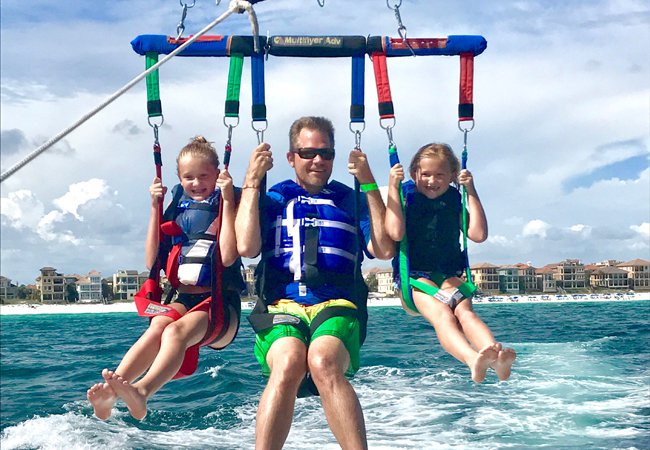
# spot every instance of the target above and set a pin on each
(124, 307)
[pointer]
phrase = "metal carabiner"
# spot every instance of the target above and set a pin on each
(260, 131)
(181, 25)
(357, 134)
(321, 3)
(401, 28)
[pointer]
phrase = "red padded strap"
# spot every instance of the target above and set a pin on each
(384, 97)
(466, 97)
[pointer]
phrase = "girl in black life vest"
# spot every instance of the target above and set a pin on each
(432, 224)
(159, 353)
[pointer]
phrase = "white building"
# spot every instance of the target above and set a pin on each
(90, 287)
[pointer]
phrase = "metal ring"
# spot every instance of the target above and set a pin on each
(363, 127)
(266, 125)
(189, 6)
(225, 121)
(463, 128)
(152, 125)
(397, 5)
(388, 127)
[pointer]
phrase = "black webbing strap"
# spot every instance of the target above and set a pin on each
(312, 276)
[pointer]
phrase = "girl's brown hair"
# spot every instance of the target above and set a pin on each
(199, 147)
(435, 150)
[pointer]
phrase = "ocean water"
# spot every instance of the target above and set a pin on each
(581, 381)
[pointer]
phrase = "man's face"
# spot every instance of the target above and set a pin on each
(311, 174)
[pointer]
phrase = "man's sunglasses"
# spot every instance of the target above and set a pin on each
(310, 153)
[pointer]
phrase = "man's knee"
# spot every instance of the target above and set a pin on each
(287, 365)
(328, 361)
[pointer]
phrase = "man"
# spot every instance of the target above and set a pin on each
(311, 315)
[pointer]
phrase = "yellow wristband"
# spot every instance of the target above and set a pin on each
(368, 187)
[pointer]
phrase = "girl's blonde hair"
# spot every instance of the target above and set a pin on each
(435, 150)
(199, 147)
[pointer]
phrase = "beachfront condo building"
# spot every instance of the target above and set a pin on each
(52, 285)
(608, 277)
(8, 290)
(90, 287)
(509, 280)
(486, 277)
(638, 274)
(126, 283)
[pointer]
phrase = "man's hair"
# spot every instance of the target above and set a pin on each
(312, 123)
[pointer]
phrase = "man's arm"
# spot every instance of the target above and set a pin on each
(247, 222)
(381, 245)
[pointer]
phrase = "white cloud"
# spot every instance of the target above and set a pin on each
(537, 228)
(22, 209)
(79, 194)
(46, 229)
(643, 229)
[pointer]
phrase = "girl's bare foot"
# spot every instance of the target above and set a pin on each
(504, 362)
(102, 397)
(484, 358)
(135, 401)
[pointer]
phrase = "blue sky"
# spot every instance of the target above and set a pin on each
(559, 152)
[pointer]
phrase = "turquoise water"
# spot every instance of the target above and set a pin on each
(581, 381)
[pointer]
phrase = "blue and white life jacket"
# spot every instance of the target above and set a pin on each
(198, 220)
(287, 244)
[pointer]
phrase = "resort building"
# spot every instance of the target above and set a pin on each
(607, 277)
(509, 280)
(486, 278)
(569, 274)
(527, 278)
(52, 285)
(385, 283)
(126, 283)
(8, 291)
(638, 274)
(90, 287)
(546, 280)
(248, 273)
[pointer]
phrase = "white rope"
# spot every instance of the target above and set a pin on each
(235, 6)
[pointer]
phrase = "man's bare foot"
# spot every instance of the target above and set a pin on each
(135, 401)
(504, 362)
(484, 358)
(102, 397)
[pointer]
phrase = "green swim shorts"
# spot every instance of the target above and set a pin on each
(345, 328)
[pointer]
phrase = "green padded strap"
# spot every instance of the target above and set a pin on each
(234, 85)
(467, 288)
(154, 106)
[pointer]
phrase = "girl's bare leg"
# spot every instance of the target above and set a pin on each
(177, 337)
(136, 360)
(451, 335)
(480, 336)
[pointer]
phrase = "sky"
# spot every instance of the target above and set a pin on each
(559, 152)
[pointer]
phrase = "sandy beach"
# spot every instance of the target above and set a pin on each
(121, 307)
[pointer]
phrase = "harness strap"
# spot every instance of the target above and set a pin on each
(234, 85)
(154, 106)
(386, 110)
(465, 101)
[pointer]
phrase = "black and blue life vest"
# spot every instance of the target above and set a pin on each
(433, 232)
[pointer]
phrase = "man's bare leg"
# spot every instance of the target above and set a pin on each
(328, 360)
(287, 359)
